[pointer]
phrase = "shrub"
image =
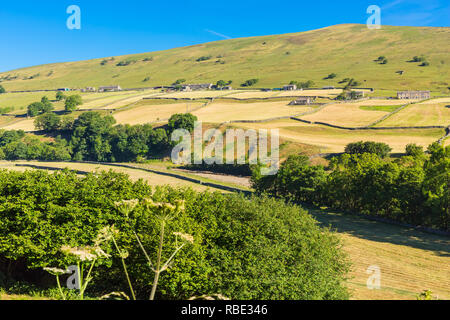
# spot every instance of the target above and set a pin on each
(414, 150)
(204, 58)
(2, 89)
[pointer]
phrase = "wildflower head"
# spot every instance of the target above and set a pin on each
(126, 206)
(184, 237)
(56, 271)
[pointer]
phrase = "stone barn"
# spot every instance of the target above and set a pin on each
(303, 101)
(418, 95)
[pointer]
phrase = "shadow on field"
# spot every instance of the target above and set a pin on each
(383, 232)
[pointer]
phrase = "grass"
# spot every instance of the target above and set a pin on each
(146, 112)
(153, 179)
(222, 111)
(380, 108)
(347, 50)
(350, 114)
(330, 140)
(428, 113)
(410, 261)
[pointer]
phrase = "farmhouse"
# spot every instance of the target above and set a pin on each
(290, 87)
(89, 89)
(414, 95)
(197, 87)
(302, 101)
(109, 89)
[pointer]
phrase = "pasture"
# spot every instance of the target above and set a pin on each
(331, 140)
(410, 261)
(152, 179)
(351, 114)
(223, 111)
(146, 112)
(428, 113)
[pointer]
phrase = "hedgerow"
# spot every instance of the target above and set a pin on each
(258, 248)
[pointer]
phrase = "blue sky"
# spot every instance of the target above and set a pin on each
(35, 32)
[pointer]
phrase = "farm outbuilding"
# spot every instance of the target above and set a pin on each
(109, 89)
(290, 87)
(419, 95)
(303, 101)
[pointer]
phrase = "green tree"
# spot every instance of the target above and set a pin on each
(48, 122)
(72, 102)
(182, 121)
(2, 89)
(35, 109)
(60, 96)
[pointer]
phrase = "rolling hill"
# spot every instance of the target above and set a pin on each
(348, 50)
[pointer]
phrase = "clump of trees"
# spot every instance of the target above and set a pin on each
(382, 60)
(250, 83)
(412, 189)
(330, 76)
(223, 83)
(2, 89)
(379, 148)
(182, 121)
(37, 108)
(303, 85)
(204, 58)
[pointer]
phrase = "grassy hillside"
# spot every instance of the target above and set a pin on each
(347, 50)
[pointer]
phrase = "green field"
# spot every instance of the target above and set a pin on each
(349, 50)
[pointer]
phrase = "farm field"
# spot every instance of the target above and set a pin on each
(351, 114)
(331, 140)
(253, 94)
(114, 100)
(145, 112)
(331, 93)
(410, 261)
(222, 111)
(199, 94)
(153, 179)
(429, 113)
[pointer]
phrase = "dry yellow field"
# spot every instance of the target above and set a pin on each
(350, 114)
(311, 93)
(221, 111)
(423, 114)
(25, 125)
(410, 261)
(331, 140)
(152, 179)
(199, 94)
(153, 112)
(106, 99)
(253, 94)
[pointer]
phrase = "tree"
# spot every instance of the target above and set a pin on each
(2, 89)
(414, 150)
(331, 76)
(250, 83)
(182, 121)
(35, 109)
(48, 122)
(91, 137)
(60, 96)
(179, 81)
(47, 105)
(72, 102)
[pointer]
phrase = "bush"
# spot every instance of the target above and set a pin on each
(2, 89)
(204, 58)
(257, 248)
